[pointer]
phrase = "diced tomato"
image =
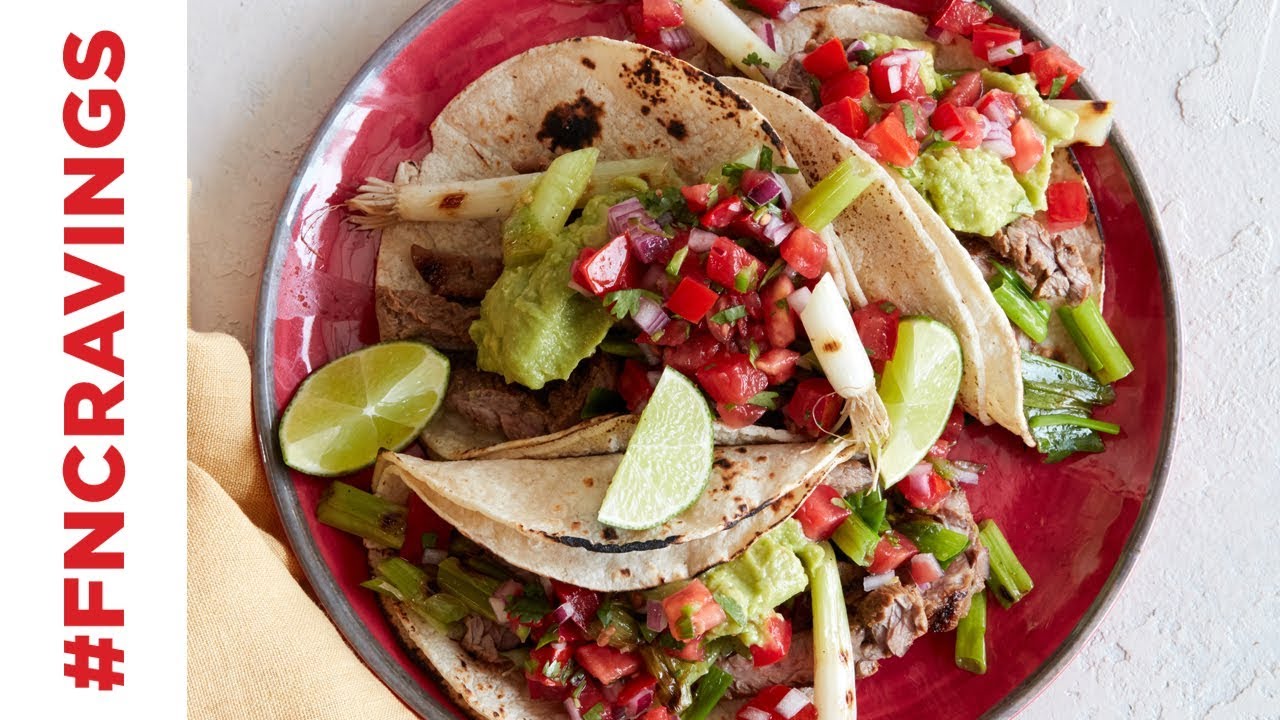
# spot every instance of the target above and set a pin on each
(676, 332)
(691, 611)
(699, 197)
(747, 226)
(693, 355)
(634, 385)
(847, 116)
(827, 60)
(895, 76)
(893, 550)
(822, 513)
(584, 602)
(892, 142)
(727, 260)
(631, 697)
(732, 379)
(1051, 63)
(852, 84)
(692, 651)
(775, 643)
(722, 213)
(999, 107)
(607, 269)
(778, 364)
(924, 491)
(766, 701)
(814, 407)
(1022, 63)
(564, 633)
(997, 44)
(658, 713)
(966, 90)
(691, 300)
(959, 16)
(779, 319)
(805, 251)
(772, 8)
(963, 126)
(549, 671)
(1068, 205)
(955, 425)
(605, 663)
(657, 15)
(925, 568)
(588, 695)
(1028, 146)
(739, 416)
(877, 325)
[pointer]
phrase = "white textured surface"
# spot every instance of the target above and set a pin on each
(1196, 631)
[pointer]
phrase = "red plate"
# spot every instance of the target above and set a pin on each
(1077, 526)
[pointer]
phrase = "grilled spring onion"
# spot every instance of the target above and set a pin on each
(834, 695)
(833, 194)
(472, 589)
(360, 513)
(381, 203)
(1009, 580)
(971, 637)
(856, 540)
(707, 694)
(404, 581)
(1091, 334)
(728, 34)
(1014, 297)
(932, 537)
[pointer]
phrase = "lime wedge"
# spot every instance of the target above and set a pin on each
(918, 387)
(374, 398)
(668, 459)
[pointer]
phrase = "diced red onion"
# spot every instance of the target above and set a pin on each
(767, 187)
(547, 589)
(968, 477)
(498, 601)
(894, 76)
(677, 40)
(563, 614)
(765, 31)
(868, 147)
(871, 582)
(1004, 53)
(799, 300)
(579, 289)
(620, 216)
(854, 48)
(927, 107)
(936, 32)
(653, 277)
(999, 140)
(918, 479)
(750, 713)
(701, 240)
(648, 246)
(431, 556)
(655, 618)
(925, 568)
(640, 702)
(778, 229)
(784, 201)
(572, 709)
(791, 704)
(789, 12)
(649, 316)
(611, 691)
(894, 59)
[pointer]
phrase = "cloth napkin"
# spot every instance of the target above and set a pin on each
(258, 646)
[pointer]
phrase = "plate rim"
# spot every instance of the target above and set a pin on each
(322, 580)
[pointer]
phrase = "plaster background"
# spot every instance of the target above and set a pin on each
(1196, 630)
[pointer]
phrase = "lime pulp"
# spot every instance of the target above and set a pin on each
(378, 397)
(668, 460)
(918, 387)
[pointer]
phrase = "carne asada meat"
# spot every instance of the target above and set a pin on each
(488, 401)
(947, 599)
(566, 399)
(1050, 263)
(486, 640)
(436, 320)
(850, 478)
(455, 274)
(883, 622)
(794, 80)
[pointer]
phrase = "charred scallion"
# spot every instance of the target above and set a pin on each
(361, 513)
(971, 637)
(1009, 580)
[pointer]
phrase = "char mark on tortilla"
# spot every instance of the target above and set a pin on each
(572, 125)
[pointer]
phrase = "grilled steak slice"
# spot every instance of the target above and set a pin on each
(406, 314)
(486, 400)
(454, 274)
(883, 622)
(566, 399)
(947, 599)
(795, 81)
(1048, 263)
(485, 640)
(850, 477)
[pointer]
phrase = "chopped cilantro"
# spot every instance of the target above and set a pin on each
(729, 314)
(745, 278)
(602, 401)
(625, 303)
(786, 170)
(595, 713)
(1056, 88)
(677, 261)
(754, 59)
(753, 352)
(765, 162)
(430, 540)
(909, 118)
(767, 400)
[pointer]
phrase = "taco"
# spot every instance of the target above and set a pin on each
(968, 121)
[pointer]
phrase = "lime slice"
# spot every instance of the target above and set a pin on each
(375, 398)
(668, 460)
(918, 387)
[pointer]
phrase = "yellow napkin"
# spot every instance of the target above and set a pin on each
(257, 644)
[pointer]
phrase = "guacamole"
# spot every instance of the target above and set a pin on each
(1057, 126)
(973, 191)
(765, 576)
(533, 327)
